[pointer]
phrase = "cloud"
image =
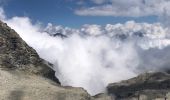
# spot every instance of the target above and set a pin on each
(2, 14)
(130, 8)
(99, 1)
(94, 56)
(92, 30)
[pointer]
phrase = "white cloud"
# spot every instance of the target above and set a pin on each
(94, 55)
(2, 14)
(92, 30)
(128, 8)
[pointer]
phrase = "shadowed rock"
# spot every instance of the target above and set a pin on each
(150, 85)
(25, 76)
(15, 54)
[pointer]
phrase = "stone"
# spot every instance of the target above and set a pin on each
(15, 54)
(148, 86)
(25, 76)
(103, 96)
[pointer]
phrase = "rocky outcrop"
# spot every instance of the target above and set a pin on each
(25, 76)
(16, 55)
(148, 86)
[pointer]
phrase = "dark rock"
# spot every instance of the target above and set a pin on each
(25, 76)
(139, 34)
(150, 85)
(15, 54)
(59, 35)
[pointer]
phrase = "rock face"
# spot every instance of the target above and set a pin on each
(25, 76)
(148, 86)
(16, 55)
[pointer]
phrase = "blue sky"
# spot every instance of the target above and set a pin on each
(62, 12)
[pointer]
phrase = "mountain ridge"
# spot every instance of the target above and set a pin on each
(25, 76)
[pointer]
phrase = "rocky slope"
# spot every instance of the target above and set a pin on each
(25, 76)
(148, 86)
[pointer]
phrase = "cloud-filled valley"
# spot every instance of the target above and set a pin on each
(94, 56)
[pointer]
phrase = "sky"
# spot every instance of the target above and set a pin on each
(114, 40)
(71, 13)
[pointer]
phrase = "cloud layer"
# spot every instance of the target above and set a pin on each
(126, 8)
(94, 56)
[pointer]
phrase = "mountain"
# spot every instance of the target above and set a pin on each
(16, 55)
(25, 76)
(147, 86)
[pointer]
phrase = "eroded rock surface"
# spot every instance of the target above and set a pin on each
(148, 86)
(25, 76)
(16, 55)
(20, 86)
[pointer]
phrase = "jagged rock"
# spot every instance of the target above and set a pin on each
(15, 54)
(148, 86)
(25, 76)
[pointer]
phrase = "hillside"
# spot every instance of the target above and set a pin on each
(25, 76)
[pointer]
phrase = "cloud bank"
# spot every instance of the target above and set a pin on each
(94, 56)
(126, 8)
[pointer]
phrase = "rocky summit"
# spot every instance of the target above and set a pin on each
(25, 76)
